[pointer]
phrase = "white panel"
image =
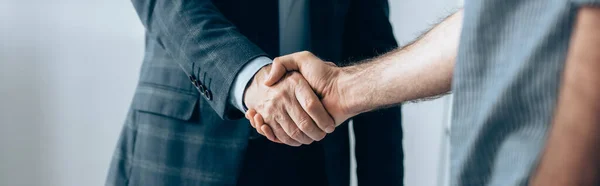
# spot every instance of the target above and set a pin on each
(67, 73)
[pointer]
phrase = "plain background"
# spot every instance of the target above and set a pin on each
(68, 69)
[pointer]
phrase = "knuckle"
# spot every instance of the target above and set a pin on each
(278, 118)
(296, 133)
(304, 125)
(267, 108)
(278, 95)
(270, 108)
(311, 104)
(285, 139)
(296, 76)
(305, 53)
(303, 57)
(293, 77)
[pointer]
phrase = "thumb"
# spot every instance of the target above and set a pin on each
(280, 66)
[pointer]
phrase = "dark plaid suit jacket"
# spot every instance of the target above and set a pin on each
(181, 130)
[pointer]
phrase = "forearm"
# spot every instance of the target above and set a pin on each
(572, 154)
(419, 70)
(207, 47)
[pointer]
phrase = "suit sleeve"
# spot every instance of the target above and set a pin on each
(595, 3)
(208, 47)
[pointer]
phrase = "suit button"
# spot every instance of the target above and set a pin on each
(195, 82)
(208, 94)
(201, 88)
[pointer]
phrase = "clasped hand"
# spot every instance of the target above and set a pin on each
(296, 100)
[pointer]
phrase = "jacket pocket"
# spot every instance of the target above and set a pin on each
(166, 102)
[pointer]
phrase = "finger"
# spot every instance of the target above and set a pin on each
(267, 130)
(283, 64)
(277, 72)
(282, 136)
(247, 114)
(304, 122)
(258, 130)
(291, 130)
(258, 127)
(292, 62)
(259, 122)
(313, 106)
(250, 115)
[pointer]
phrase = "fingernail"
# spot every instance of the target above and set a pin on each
(329, 129)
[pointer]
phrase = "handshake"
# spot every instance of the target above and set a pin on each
(298, 99)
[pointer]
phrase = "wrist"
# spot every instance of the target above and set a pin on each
(352, 99)
(253, 86)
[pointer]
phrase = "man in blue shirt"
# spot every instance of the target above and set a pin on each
(525, 75)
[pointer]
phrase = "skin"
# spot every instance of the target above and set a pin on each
(293, 111)
(404, 74)
(572, 152)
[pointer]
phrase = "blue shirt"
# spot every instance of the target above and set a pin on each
(505, 86)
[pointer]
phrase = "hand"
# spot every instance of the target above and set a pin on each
(290, 107)
(322, 77)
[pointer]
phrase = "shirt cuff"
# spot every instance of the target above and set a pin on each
(236, 94)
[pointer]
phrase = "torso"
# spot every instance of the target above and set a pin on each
(505, 87)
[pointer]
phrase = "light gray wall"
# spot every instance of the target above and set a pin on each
(67, 74)
(68, 69)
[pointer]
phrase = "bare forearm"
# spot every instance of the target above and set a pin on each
(572, 154)
(422, 69)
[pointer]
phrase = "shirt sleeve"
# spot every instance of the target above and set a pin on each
(236, 94)
(587, 2)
